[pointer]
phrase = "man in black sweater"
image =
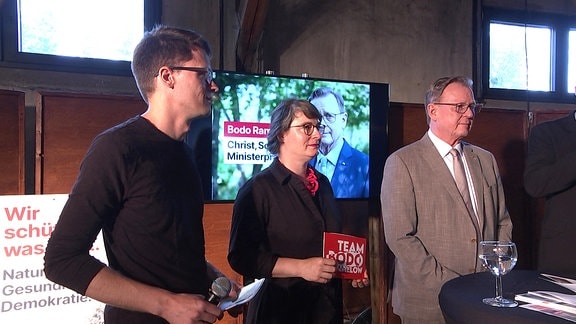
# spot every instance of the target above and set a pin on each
(138, 184)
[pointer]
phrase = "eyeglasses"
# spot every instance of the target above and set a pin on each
(207, 72)
(462, 107)
(331, 117)
(308, 128)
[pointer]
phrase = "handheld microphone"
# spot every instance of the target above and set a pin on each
(220, 289)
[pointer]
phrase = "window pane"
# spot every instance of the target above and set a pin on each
(520, 57)
(571, 60)
(102, 29)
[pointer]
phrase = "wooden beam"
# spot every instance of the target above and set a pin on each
(252, 18)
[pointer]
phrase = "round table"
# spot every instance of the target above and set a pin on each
(461, 298)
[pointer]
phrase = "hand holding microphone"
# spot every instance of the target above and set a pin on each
(219, 290)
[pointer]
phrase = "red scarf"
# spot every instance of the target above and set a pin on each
(311, 181)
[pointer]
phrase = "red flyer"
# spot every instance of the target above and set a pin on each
(349, 252)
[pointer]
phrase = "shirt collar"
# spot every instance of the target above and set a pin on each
(443, 147)
(334, 153)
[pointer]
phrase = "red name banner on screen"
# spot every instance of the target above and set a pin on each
(246, 129)
(26, 296)
(349, 252)
(246, 143)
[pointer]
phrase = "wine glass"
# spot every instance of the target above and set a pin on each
(499, 257)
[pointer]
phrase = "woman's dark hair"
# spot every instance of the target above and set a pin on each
(282, 116)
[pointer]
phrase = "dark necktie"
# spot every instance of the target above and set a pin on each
(461, 183)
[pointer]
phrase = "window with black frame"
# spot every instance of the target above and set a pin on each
(528, 56)
(75, 35)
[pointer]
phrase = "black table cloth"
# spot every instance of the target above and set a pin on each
(461, 298)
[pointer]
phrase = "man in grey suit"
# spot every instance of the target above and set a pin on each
(427, 224)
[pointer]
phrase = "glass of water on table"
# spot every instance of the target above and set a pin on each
(499, 257)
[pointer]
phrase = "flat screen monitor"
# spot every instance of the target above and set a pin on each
(231, 146)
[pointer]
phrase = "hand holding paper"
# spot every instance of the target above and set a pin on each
(246, 293)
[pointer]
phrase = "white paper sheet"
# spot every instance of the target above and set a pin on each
(246, 293)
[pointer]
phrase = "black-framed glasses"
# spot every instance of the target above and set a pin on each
(462, 107)
(331, 117)
(308, 128)
(207, 72)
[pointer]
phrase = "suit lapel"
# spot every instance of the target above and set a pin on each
(441, 172)
(568, 123)
(475, 169)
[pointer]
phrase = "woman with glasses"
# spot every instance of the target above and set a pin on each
(278, 222)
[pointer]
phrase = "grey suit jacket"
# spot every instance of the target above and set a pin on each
(427, 226)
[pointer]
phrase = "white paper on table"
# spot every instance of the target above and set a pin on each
(550, 299)
(551, 311)
(564, 282)
(246, 293)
